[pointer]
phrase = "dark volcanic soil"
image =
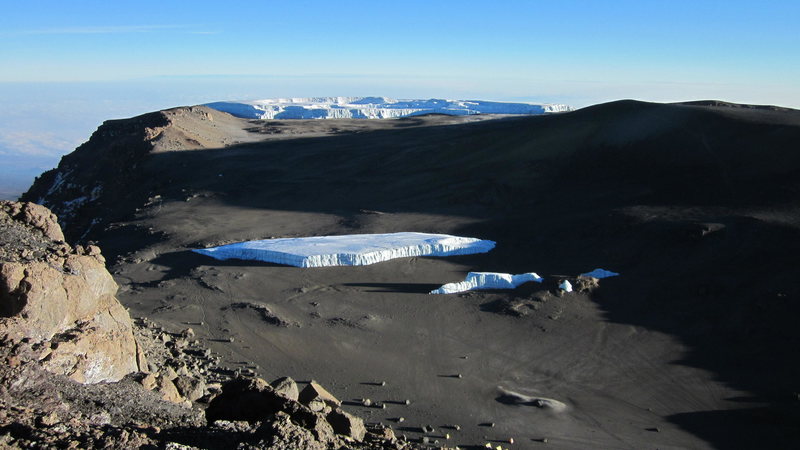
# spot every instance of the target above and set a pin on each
(693, 346)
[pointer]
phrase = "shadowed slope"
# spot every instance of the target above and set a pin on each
(695, 205)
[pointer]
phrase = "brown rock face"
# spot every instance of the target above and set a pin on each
(286, 387)
(34, 216)
(61, 300)
(314, 391)
(347, 424)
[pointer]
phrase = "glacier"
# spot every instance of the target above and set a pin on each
(600, 274)
(488, 280)
(348, 250)
(373, 108)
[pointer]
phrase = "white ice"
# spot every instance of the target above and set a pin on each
(373, 108)
(600, 274)
(566, 286)
(488, 280)
(348, 250)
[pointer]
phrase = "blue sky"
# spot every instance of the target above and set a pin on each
(101, 60)
(500, 48)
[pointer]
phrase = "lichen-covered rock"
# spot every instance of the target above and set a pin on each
(61, 299)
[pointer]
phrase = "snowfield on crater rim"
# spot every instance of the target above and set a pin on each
(348, 250)
(373, 108)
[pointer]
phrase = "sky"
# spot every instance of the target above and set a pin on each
(67, 66)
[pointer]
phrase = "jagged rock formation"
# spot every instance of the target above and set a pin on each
(57, 302)
(317, 412)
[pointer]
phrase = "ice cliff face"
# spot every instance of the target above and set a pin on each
(373, 108)
(488, 280)
(348, 250)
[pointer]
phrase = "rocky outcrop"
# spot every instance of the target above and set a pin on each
(292, 422)
(57, 302)
(61, 324)
(102, 178)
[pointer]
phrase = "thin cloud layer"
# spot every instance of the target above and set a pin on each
(122, 29)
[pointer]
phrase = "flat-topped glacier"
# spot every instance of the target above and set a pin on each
(348, 250)
(488, 280)
(373, 108)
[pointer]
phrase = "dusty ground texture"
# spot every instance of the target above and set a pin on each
(73, 370)
(693, 346)
(42, 410)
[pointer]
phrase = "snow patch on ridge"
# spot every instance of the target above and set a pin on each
(373, 108)
(348, 250)
(488, 280)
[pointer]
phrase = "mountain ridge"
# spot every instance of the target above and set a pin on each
(695, 205)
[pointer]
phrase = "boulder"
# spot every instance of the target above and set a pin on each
(250, 399)
(168, 391)
(310, 420)
(585, 284)
(382, 432)
(286, 387)
(191, 388)
(61, 299)
(286, 434)
(169, 373)
(313, 393)
(148, 381)
(347, 424)
(35, 216)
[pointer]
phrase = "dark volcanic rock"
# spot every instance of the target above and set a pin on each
(246, 399)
